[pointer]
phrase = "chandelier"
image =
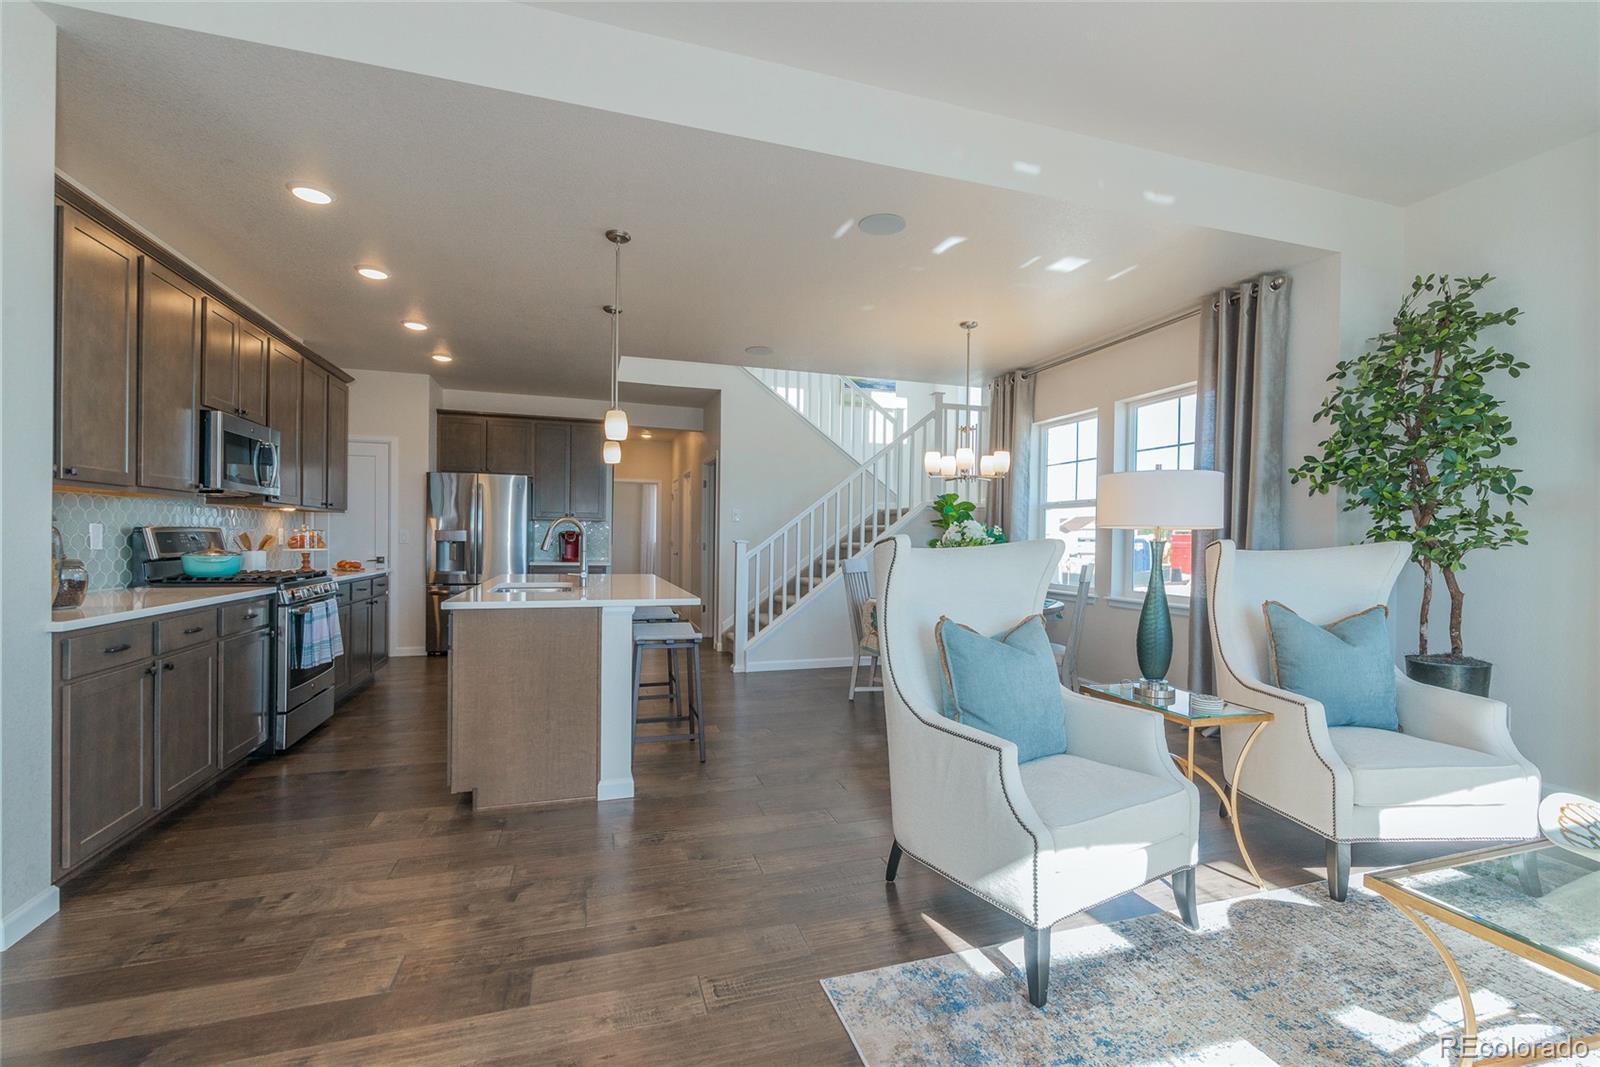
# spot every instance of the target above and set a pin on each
(616, 423)
(966, 463)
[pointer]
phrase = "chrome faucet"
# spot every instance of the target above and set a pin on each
(583, 543)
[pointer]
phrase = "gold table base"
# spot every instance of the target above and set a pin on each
(1230, 796)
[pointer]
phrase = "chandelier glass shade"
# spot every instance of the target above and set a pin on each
(966, 462)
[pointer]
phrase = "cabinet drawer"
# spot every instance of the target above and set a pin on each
(361, 589)
(99, 650)
(380, 585)
(245, 615)
(186, 630)
(344, 592)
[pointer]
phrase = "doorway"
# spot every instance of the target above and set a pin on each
(362, 531)
(635, 539)
(708, 546)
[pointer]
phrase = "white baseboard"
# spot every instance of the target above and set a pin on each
(29, 917)
(408, 651)
(756, 666)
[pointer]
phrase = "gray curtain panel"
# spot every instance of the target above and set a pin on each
(1011, 428)
(1244, 342)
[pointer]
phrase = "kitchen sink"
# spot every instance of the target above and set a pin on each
(535, 587)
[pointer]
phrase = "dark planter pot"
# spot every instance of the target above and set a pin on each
(1461, 673)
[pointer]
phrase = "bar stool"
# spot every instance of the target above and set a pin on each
(671, 637)
(661, 614)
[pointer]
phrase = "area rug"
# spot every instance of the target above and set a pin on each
(1286, 977)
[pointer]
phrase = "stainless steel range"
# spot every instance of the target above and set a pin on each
(302, 696)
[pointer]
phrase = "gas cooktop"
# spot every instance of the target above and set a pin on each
(242, 578)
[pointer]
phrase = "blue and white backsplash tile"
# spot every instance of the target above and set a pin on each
(598, 534)
(112, 566)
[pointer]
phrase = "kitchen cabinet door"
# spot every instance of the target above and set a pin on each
(462, 443)
(552, 454)
(169, 380)
(252, 372)
(341, 662)
(508, 446)
(590, 477)
(380, 632)
(107, 727)
(283, 415)
(186, 723)
(246, 689)
(97, 309)
(220, 373)
(313, 435)
(338, 444)
(358, 645)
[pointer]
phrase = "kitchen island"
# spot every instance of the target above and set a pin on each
(541, 686)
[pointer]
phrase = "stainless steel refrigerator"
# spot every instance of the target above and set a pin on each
(477, 528)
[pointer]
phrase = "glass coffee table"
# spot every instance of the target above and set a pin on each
(1534, 900)
(1178, 712)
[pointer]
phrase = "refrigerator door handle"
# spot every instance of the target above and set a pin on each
(475, 541)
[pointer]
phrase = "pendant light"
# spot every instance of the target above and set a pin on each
(966, 463)
(616, 423)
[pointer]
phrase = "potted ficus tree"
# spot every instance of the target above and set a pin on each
(1416, 441)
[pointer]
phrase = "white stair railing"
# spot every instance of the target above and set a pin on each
(773, 577)
(839, 408)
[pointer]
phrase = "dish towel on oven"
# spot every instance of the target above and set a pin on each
(320, 641)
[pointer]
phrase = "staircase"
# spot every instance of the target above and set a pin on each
(837, 407)
(775, 577)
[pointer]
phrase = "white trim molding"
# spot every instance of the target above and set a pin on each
(29, 917)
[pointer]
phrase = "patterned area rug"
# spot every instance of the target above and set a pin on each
(1286, 977)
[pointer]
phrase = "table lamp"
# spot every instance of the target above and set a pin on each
(1160, 501)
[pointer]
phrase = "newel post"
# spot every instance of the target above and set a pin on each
(741, 602)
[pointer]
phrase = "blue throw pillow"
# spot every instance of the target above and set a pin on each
(1004, 685)
(1347, 664)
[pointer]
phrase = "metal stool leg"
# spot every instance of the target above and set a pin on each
(674, 687)
(638, 661)
(699, 701)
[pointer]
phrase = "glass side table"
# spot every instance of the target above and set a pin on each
(1177, 712)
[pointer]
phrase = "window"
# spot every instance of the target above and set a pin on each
(1161, 433)
(880, 429)
(1069, 464)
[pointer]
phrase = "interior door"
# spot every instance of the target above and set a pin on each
(361, 531)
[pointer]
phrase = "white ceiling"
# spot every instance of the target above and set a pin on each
(1390, 101)
(489, 207)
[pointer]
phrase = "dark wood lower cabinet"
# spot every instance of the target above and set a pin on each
(364, 624)
(341, 662)
(246, 694)
(186, 723)
(106, 734)
(379, 643)
(358, 644)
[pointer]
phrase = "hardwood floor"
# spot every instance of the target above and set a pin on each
(337, 905)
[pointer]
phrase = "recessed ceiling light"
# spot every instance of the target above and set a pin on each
(646, 434)
(443, 357)
(883, 224)
(415, 324)
(376, 274)
(947, 244)
(1067, 264)
(758, 350)
(310, 193)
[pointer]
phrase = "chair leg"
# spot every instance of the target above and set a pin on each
(894, 862)
(674, 686)
(1183, 891)
(1338, 869)
(1528, 873)
(1222, 809)
(638, 662)
(1036, 953)
(855, 665)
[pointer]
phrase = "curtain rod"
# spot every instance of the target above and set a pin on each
(1160, 324)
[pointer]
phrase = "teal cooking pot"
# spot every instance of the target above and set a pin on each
(212, 564)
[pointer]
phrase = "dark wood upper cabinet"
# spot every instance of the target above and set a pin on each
(588, 476)
(552, 456)
(252, 373)
(313, 436)
(462, 443)
(338, 448)
(169, 380)
(508, 446)
(283, 415)
(97, 311)
(219, 386)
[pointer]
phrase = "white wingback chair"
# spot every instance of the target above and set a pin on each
(1451, 773)
(1041, 840)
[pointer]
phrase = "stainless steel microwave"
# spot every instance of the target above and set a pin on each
(237, 457)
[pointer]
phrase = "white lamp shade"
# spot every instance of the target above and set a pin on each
(947, 466)
(616, 425)
(1002, 462)
(611, 452)
(986, 466)
(1172, 500)
(964, 458)
(931, 463)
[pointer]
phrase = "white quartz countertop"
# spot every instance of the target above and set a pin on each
(603, 591)
(353, 575)
(107, 607)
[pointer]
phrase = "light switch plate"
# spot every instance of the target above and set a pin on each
(405, 537)
(97, 536)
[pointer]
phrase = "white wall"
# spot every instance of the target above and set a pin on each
(1533, 611)
(383, 404)
(27, 344)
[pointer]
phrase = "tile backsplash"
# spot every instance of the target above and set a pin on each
(597, 533)
(112, 566)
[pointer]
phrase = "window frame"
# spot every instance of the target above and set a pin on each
(1122, 586)
(1041, 480)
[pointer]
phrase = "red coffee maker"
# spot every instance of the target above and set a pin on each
(569, 546)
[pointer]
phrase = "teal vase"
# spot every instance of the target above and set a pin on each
(1154, 641)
